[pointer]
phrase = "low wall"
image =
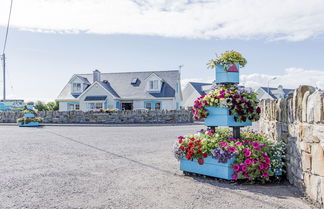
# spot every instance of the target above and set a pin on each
(119, 117)
(299, 121)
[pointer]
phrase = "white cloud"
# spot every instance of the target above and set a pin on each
(292, 78)
(244, 19)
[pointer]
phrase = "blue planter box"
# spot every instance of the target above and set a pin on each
(31, 124)
(29, 107)
(222, 76)
(29, 115)
(219, 116)
(211, 167)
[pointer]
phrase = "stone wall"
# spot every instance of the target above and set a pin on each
(299, 121)
(120, 117)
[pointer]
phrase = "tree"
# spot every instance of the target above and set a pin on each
(52, 106)
(40, 106)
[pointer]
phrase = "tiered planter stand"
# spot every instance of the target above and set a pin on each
(218, 116)
(29, 115)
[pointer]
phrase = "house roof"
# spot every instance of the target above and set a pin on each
(199, 87)
(95, 98)
(273, 91)
(120, 84)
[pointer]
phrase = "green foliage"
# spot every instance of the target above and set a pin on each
(40, 106)
(52, 106)
(28, 120)
(226, 59)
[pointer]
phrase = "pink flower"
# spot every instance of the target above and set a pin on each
(234, 176)
(238, 143)
(236, 167)
(247, 153)
(258, 149)
(261, 166)
(243, 168)
(246, 175)
(265, 174)
(255, 144)
(248, 161)
(267, 161)
(265, 154)
(246, 141)
(223, 144)
(265, 166)
(232, 149)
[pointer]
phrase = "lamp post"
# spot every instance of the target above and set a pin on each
(274, 78)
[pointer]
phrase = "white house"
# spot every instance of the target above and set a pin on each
(192, 91)
(127, 91)
(273, 93)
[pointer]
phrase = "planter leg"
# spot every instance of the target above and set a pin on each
(236, 132)
(212, 128)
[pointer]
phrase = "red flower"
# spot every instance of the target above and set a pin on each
(201, 161)
(258, 110)
(181, 147)
(204, 155)
(180, 141)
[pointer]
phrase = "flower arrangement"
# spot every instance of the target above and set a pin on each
(242, 104)
(227, 59)
(25, 120)
(255, 156)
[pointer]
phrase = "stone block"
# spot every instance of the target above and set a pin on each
(306, 161)
(315, 188)
(317, 160)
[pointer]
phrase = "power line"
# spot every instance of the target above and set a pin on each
(7, 30)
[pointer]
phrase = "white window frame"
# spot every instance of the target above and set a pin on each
(154, 85)
(95, 105)
(76, 87)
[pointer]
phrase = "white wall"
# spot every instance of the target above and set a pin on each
(96, 90)
(62, 106)
(189, 96)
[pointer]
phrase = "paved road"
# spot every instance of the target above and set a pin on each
(115, 167)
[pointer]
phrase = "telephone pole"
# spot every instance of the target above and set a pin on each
(3, 58)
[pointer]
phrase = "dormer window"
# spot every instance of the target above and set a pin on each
(154, 85)
(76, 87)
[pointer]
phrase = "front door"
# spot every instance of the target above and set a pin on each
(127, 106)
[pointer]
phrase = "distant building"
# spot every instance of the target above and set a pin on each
(192, 91)
(153, 90)
(273, 93)
(11, 104)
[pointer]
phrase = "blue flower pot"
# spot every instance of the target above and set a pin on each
(211, 167)
(31, 124)
(222, 76)
(29, 115)
(30, 107)
(219, 116)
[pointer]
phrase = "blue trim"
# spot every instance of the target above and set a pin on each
(118, 105)
(106, 104)
(153, 102)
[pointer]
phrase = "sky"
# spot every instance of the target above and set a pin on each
(49, 41)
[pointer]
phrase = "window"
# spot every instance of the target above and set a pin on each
(148, 106)
(76, 87)
(154, 84)
(157, 106)
(152, 105)
(95, 105)
(73, 106)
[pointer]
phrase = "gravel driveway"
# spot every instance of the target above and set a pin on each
(115, 167)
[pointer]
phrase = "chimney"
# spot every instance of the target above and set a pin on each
(96, 76)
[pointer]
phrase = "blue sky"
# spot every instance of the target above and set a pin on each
(42, 58)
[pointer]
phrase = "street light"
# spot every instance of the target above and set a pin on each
(274, 78)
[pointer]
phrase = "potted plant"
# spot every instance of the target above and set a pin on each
(227, 105)
(227, 66)
(29, 119)
(218, 154)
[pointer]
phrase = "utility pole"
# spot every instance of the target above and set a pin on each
(3, 58)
